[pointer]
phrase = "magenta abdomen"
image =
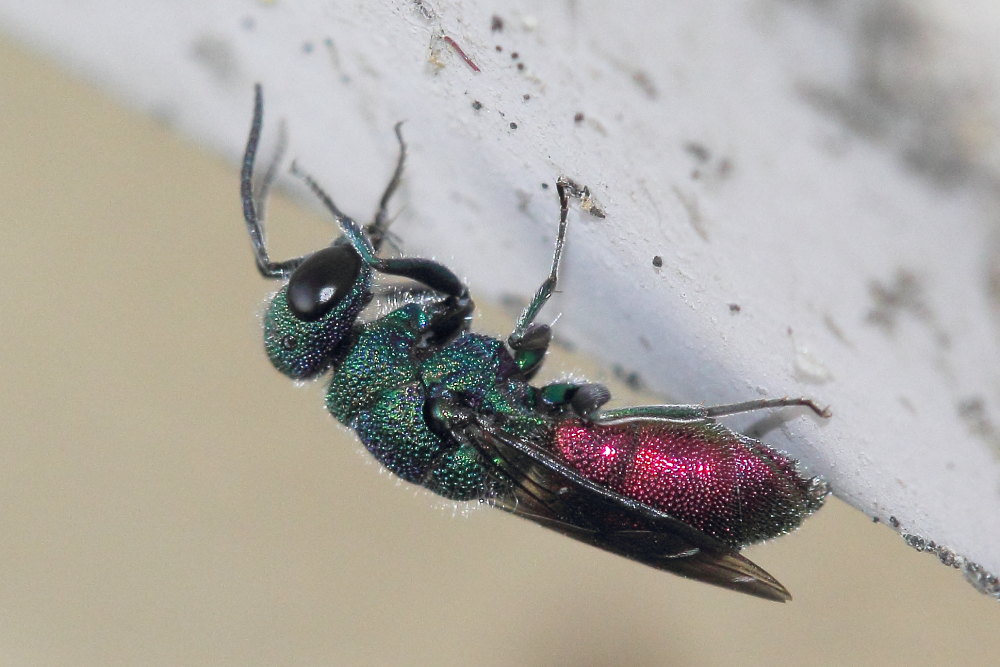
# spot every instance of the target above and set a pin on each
(723, 483)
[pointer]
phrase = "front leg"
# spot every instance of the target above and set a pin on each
(377, 231)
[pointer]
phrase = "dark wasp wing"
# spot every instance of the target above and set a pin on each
(539, 487)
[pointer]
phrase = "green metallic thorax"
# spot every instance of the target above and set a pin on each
(384, 385)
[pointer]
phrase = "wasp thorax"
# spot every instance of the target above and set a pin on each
(308, 321)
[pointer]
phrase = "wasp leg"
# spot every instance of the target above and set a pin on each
(671, 413)
(378, 229)
(583, 399)
(426, 271)
(675, 413)
(529, 340)
(253, 203)
(765, 404)
(456, 307)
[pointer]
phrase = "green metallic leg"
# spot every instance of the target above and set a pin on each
(700, 412)
(766, 404)
(529, 340)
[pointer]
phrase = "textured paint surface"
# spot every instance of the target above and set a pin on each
(170, 499)
(782, 158)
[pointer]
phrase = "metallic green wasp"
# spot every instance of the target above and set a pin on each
(455, 411)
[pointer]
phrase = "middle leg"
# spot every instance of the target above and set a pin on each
(530, 340)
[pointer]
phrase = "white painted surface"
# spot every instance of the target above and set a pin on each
(831, 171)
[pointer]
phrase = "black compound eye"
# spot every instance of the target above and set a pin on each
(322, 280)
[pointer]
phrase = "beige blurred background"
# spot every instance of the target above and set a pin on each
(167, 498)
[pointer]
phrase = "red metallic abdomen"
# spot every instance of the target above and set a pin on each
(725, 484)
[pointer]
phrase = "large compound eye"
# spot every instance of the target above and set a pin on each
(322, 280)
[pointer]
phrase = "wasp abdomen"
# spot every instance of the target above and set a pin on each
(720, 482)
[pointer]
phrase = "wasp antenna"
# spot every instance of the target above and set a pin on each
(252, 207)
(246, 174)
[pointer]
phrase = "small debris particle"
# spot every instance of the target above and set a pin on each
(657, 261)
(496, 24)
(520, 66)
(498, 48)
(735, 308)
(526, 97)
(514, 55)
(477, 105)
(587, 201)
(458, 49)
(981, 579)
(948, 557)
(424, 10)
(545, 186)
(513, 126)
(894, 522)
(578, 117)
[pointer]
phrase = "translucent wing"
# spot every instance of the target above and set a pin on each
(541, 488)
